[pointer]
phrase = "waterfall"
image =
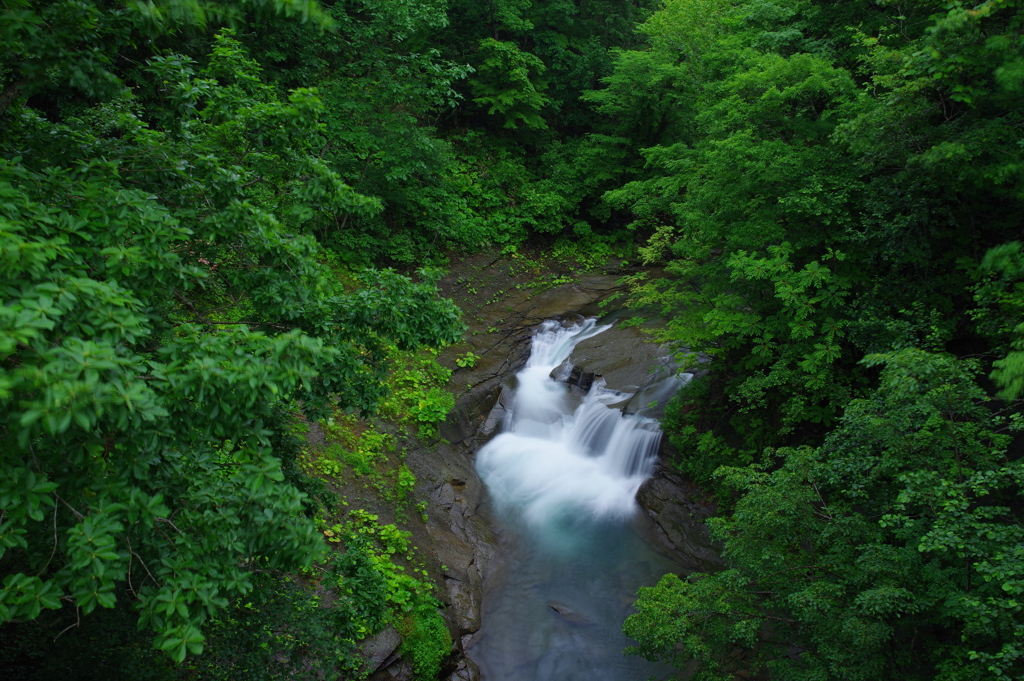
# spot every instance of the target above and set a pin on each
(563, 476)
(557, 459)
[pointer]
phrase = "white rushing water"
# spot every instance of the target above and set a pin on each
(563, 476)
(552, 459)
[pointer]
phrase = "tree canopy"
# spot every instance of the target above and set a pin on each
(219, 219)
(164, 307)
(834, 191)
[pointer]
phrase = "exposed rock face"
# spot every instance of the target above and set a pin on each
(399, 670)
(624, 357)
(460, 534)
(461, 539)
(628, 360)
(679, 510)
(377, 649)
(465, 671)
(478, 412)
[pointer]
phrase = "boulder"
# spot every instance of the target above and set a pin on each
(465, 671)
(568, 613)
(623, 357)
(399, 670)
(377, 649)
(679, 509)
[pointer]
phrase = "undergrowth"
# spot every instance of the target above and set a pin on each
(371, 579)
(417, 391)
(309, 625)
(357, 449)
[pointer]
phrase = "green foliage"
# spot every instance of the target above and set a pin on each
(467, 360)
(587, 252)
(189, 221)
(353, 444)
(166, 15)
(108, 647)
(885, 553)
(373, 548)
(426, 641)
(399, 79)
(385, 86)
(792, 177)
(571, 39)
(691, 418)
(357, 448)
(791, 342)
(418, 392)
(157, 316)
(405, 483)
(509, 84)
(1001, 306)
(50, 45)
(290, 625)
(282, 626)
(410, 602)
(821, 181)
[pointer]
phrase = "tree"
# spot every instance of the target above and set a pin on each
(161, 309)
(822, 202)
(53, 44)
(1001, 301)
(509, 84)
(814, 194)
(892, 551)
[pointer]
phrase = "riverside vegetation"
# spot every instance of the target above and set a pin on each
(218, 223)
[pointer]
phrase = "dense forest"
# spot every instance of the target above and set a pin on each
(223, 221)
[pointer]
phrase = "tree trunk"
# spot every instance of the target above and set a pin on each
(10, 94)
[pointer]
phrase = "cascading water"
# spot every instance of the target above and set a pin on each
(563, 476)
(550, 461)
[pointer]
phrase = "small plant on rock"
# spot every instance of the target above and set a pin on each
(467, 360)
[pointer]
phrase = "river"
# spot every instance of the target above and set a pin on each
(562, 478)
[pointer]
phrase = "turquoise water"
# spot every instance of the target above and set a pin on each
(562, 479)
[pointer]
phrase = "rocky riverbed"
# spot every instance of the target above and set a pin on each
(458, 536)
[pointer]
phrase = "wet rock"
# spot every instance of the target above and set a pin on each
(570, 374)
(501, 409)
(651, 399)
(465, 598)
(462, 541)
(577, 296)
(492, 375)
(567, 612)
(627, 361)
(623, 357)
(377, 649)
(679, 511)
(470, 408)
(496, 416)
(399, 670)
(465, 671)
